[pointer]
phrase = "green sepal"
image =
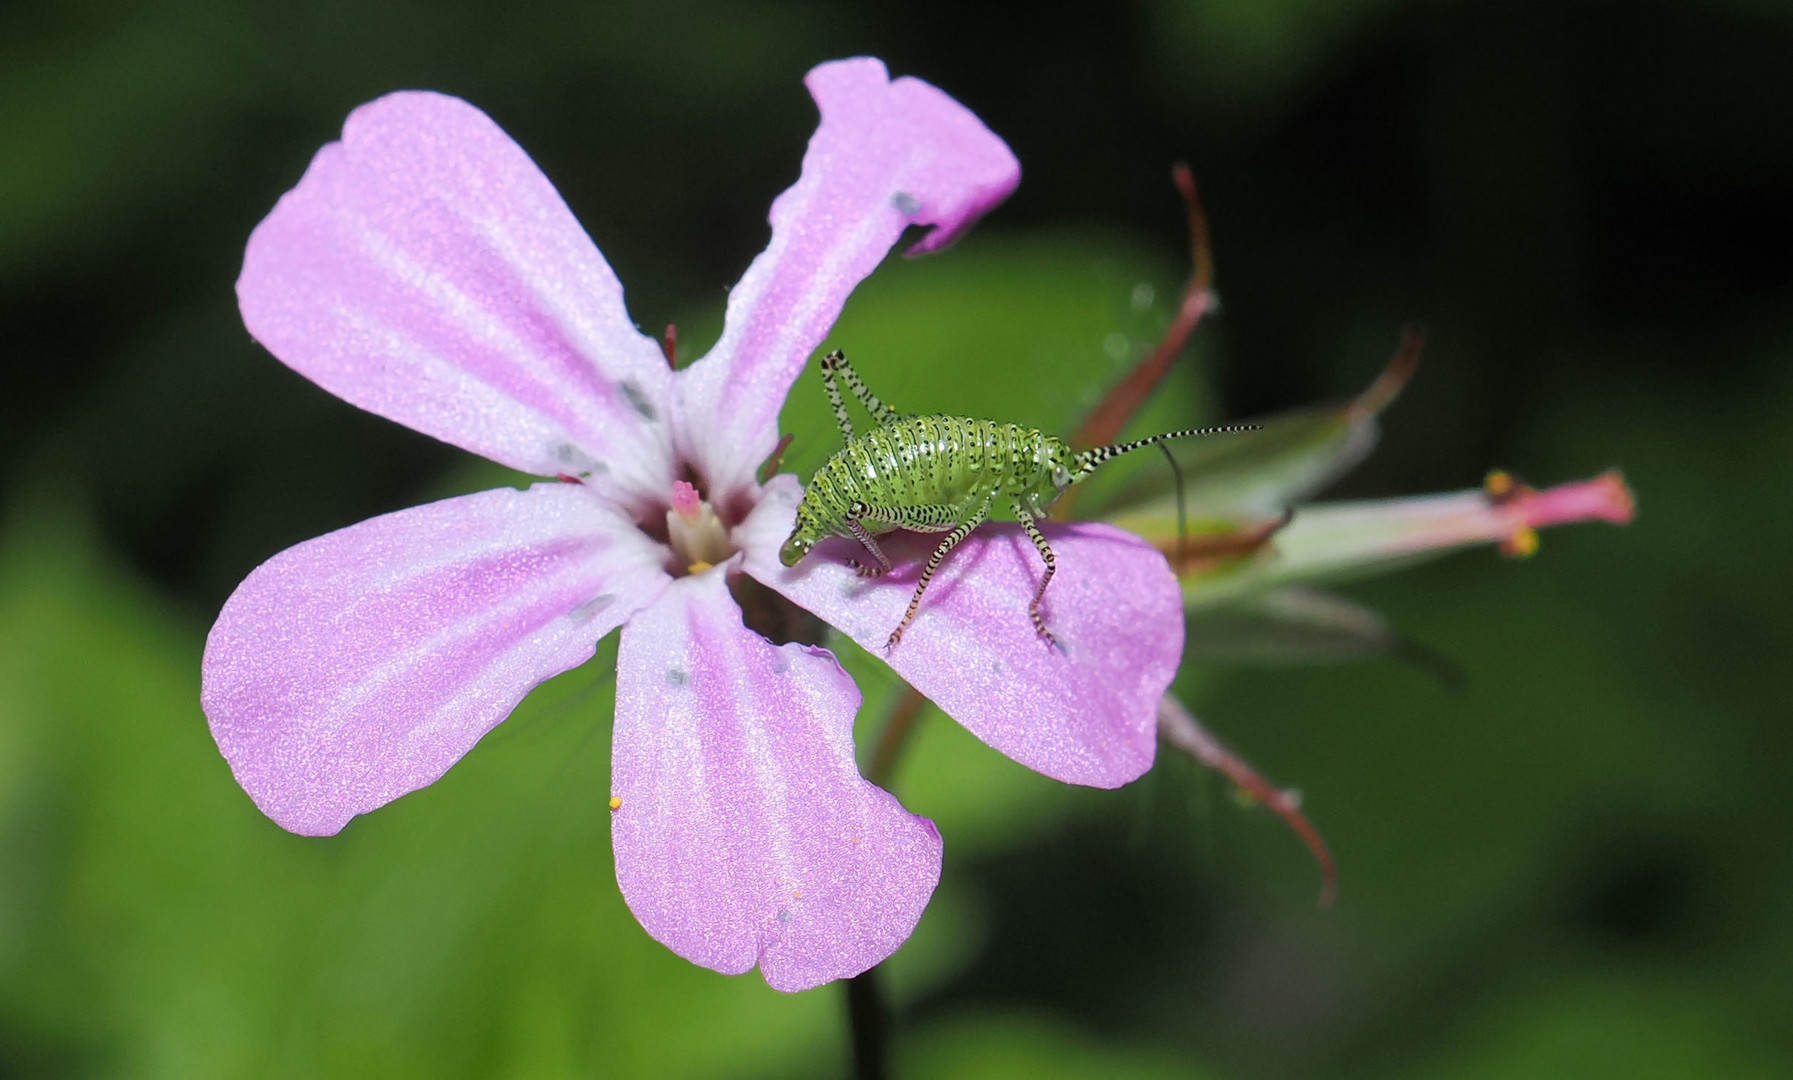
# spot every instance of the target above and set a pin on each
(1257, 475)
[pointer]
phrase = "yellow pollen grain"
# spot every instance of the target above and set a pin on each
(1499, 483)
(616, 802)
(697, 567)
(1522, 543)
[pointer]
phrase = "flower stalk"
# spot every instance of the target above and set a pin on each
(1334, 542)
(1105, 422)
(1181, 729)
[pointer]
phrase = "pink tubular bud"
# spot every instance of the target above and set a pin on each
(1333, 541)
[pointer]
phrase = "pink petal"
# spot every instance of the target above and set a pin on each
(1084, 712)
(744, 833)
(425, 269)
(356, 667)
(887, 155)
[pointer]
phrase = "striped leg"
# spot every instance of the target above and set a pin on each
(917, 518)
(926, 518)
(960, 532)
(1039, 541)
(881, 413)
(864, 536)
(830, 362)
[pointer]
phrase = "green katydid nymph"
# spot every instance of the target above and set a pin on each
(939, 474)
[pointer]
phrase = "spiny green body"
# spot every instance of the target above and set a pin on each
(938, 474)
(951, 462)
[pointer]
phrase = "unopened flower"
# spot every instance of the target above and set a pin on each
(1252, 541)
(1250, 551)
(425, 270)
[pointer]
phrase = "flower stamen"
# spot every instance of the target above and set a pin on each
(1522, 544)
(1605, 497)
(699, 539)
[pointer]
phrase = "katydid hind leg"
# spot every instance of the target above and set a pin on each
(830, 362)
(881, 413)
(935, 518)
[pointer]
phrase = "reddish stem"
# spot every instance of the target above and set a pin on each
(670, 345)
(1104, 423)
(770, 467)
(1181, 729)
(1400, 368)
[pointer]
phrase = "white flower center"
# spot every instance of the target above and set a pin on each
(698, 538)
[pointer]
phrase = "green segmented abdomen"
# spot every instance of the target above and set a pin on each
(927, 461)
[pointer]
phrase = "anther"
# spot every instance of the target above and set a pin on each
(1501, 487)
(1522, 543)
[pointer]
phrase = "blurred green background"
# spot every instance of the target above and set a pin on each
(1577, 866)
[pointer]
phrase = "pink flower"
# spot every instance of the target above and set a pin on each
(425, 270)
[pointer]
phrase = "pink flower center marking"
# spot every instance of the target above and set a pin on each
(698, 538)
